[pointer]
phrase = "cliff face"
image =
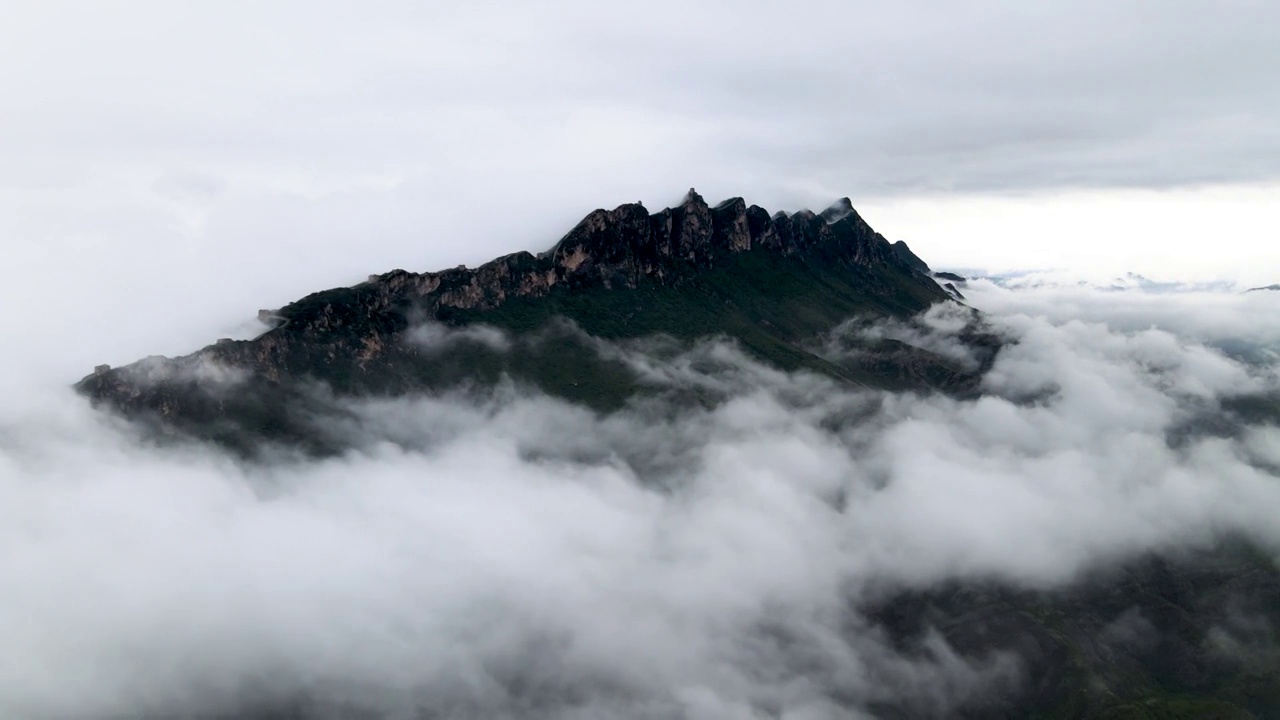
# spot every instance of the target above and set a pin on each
(609, 274)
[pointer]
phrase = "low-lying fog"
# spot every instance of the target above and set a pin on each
(521, 557)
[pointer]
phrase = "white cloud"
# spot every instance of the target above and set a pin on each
(643, 558)
(934, 330)
(434, 337)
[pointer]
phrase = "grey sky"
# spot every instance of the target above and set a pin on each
(860, 98)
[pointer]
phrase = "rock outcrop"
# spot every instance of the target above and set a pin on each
(628, 246)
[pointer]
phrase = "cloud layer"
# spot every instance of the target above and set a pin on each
(516, 556)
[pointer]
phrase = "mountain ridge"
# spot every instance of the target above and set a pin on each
(772, 283)
(626, 245)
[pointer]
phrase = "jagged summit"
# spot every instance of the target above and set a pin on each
(626, 246)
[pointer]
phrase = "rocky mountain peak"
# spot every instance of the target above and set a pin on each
(839, 210)
(693, 198)
(909, 258)
(629, 245)
(347, 335)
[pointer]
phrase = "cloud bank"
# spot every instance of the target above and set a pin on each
(517, 556)
(250, 153)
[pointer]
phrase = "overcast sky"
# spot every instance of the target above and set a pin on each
(171, 167)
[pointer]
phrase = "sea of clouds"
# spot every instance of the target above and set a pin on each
(513, 555)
